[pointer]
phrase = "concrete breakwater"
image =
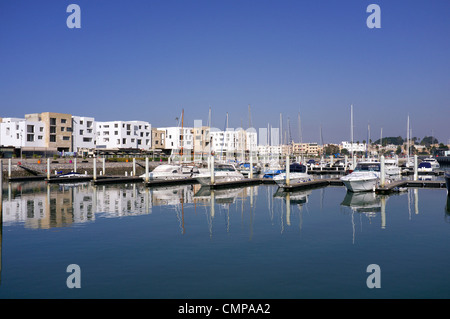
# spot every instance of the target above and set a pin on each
(31, 167)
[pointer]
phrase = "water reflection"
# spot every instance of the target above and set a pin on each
(42, 205)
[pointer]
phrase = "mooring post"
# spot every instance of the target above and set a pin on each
(48, 168)
(75, 164)
(251, 166)
(104, 165)
(212, 169)
(287, 171)
(134, 166)
(382, 173)
(146, 170)
(9, 168)
(415, 167)
(94, 170)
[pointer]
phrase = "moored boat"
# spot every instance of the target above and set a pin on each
(222, 173)
(170, 172)
(364, 177)
(297, 174)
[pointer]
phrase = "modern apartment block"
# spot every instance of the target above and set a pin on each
(178, 138)
(57, 130)
(115, 135)
(21, 133)
(83, 135)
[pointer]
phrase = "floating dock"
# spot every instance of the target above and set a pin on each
(395, 186)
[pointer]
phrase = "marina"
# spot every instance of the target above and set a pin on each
(191, 241)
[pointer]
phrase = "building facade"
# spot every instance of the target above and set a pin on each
(57, 130)
(114, 135)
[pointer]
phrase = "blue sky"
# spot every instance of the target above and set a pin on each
(148, 60)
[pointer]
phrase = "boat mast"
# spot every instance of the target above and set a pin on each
(351, 132)
(407, 141)
(182, 133)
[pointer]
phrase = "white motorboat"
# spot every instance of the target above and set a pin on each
(244, 168)
(72, 175)
(391, 167)
(364, 178)
(428, 165)
(222, 173)
(272, 169)
(297, 174)
(170, 172)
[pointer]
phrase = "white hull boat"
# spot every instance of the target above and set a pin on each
(222, 173)
(294, 178)
(299, 176)
(391, 167)
(170, 172)
(364, 178)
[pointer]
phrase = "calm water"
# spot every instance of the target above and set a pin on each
(186, 242)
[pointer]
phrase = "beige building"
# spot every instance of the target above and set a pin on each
(57, 130)
(158, 139)
(312, 149)
(202, 141)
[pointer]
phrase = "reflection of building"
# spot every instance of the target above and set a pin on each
(40, 205)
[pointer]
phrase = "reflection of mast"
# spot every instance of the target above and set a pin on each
(1, 216)
(383, 212)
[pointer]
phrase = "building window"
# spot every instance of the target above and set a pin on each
(63, 121)
(39, 137)
(52, 121)
(52, 138)
(81, 132)
(30, 128)
(62, 129)
(52, 129)
(30, 137)
(66, 138)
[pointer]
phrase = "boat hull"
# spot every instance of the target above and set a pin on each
(362, 185)
(206, 180)
(294, 178)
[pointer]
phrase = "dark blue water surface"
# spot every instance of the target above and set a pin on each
(256, 242)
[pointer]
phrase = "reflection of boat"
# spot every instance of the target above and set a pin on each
(447, 206)
(298, 197)
(447, 181)
(170, 172)
(364, 178)
(221, 196)
(362, 202)
(171, 195)
(222, 173)
(297, 174)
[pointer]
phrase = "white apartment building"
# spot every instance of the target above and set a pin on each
(123, 135)
(174, 135)
(83, 134)
(355, 147)
(21, 133)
